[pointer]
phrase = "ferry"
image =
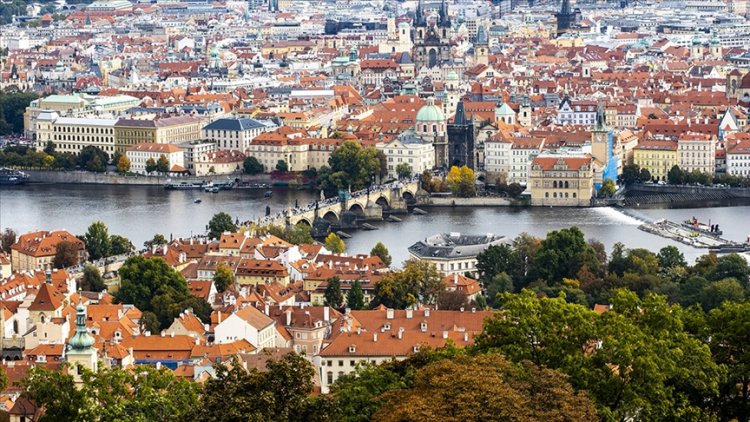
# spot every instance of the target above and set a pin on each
(12, 177)
(183, 185)
(707, 229)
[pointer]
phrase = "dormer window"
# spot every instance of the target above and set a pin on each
(416, 348)
(352, 348)
(423, 326)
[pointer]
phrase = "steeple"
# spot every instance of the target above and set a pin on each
(419, 19)
(460, 118)
(444, 20)
(601, 120)
(81, 340)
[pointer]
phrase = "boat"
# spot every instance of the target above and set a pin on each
(214, 189)
(12, 177)
(208, 186)
(184, 185)
(268, 194)
(707, 229)
(227, 185)
(197, 201)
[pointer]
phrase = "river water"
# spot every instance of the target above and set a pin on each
(138, 212)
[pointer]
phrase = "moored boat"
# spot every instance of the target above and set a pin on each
(12, 177)
(707, 229)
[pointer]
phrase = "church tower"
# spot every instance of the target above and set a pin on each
(432, 44)
(565, 18)
(481, 47)
(602, 149)
(81, 349)
(524, 112)
(696, 50)
(715, 48)
(452, 94)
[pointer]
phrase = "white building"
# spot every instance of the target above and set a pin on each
(697, 152)
(521, 154)
(454, 253)
(139, 155)
(497, 155)
(738, 158)
(577, 112)
(194, 150)
(72, 134)
(409, 149)
(247, 324)
(234, 133)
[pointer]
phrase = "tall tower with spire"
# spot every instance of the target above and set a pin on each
(565, 18)
(602, 148)
(81, 351)
(432, 40)
(481, 47)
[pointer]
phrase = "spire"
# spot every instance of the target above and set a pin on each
(444, 20)
(481, 36)
(81, 340)
(601, 120)
(419, 14)
(460, 118)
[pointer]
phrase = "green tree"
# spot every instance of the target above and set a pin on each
(404, 171)
(281, 393)
(381, 252)
(333, 296)
(66, 255)
(7, 239)
(98, 242)
(334, 243)
(221, 222)
(608, 189)
(497, 259)
(350, 165)
(417, 282)
(152, 285)
(355, 298)
(91, 280)
(462, 181)
(728, 328)
(499, 283)
(158, 240)
(251, 165)
(223, 277)
(123, 164)
(715, 294)
(282, 166)
(731, 266)
(676, 176)
(55, 391)
(120, 245)
(92, 158)
(631, 174)
(562, 254)
(452, 389)
(96, 165)
(162, 164)
(670, 256)
(150, 165)
(357, 393)
(645, 175)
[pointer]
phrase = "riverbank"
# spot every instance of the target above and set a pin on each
(433, 202)
(89, 178)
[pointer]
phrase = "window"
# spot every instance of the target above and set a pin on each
(329, 377)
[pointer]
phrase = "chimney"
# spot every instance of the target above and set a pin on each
(462, 309)
(171, 334)
(374, 337)
(426, 312)
(158, 366)
(400, 333)
(326, 313)
(466, 337)
(409, 313)
(288, 317)
(359, 330)
(267, 310)
(473, 310)
(163, 333)
(455, 278)
(197, 341)
(445, 334)
(389, 313)
(147, 333)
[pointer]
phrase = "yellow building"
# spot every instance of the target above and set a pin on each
(252, 272)
(72, 134)
(169, 130)
(561, 180)
(656, 156)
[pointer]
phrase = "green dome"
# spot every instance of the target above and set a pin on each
(452, 76)
(715, 40)
(81, 340)
(430, 113)
(696, 41)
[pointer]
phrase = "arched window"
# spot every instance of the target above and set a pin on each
(424, 128)
(554, 183)
(554, 195)
(434, 128)
(566, 194)
(574, 194)
(566, 184)
(546, 194)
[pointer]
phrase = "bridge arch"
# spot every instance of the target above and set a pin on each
(357, 209)
(303, 221)
(332, 217)
(383, 202)
(409, 197)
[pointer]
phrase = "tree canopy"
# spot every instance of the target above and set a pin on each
(221, 222)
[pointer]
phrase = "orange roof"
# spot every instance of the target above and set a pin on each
(43, 243)
(547, 163)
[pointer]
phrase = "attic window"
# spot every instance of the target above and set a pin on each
(416, 348)
(352, 348)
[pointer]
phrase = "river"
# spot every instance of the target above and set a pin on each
(138, 212)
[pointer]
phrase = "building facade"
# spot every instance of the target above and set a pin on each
(561, 180)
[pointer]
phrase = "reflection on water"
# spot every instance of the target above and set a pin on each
(139, 212)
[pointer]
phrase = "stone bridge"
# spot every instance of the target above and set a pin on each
(392, 198)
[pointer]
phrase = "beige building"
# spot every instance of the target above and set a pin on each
(408, 149)
(74, 105)
(36, 250)
(219, 162)
(561, 180)
(454, 253)
(72, 134)
(139, 155)
(697, 151)
(234, 133)
(168, 130)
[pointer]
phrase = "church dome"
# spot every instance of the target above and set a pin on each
(430, 113)
(81, 340)
(452, 76)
